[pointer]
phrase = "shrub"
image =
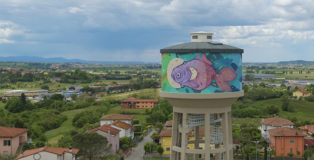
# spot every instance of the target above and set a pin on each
(272, 109)
(310, 98)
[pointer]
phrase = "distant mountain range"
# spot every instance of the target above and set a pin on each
(295, 62)
(34, 59)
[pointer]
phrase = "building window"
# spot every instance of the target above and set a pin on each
(6, 142)
(194, 37)
(291, 150)
(209, 37)
(291, 140)
(168, 149)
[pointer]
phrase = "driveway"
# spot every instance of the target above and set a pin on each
(138, 151)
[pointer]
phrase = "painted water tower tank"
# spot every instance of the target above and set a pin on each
(201, 79)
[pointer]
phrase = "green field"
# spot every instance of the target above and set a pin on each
(303, 110)
(54, 135)
(295, 75)
(2, 105)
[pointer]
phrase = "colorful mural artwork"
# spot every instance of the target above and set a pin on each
(201, 72)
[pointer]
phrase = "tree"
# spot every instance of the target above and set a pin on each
(14, 105)
(285, 104)
(248, 134)
(74, 97)
(57, 97)
(65, 141)
(150, 147)
(45, 87)
(91, 145)
(160, 150)
(155, 137)
(23, 99)
(17, 105)
(249, 77)
(307, 154)
(126, 143)
(272, 109)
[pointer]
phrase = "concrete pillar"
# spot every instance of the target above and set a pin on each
(206, 106)
(174, 140)
(207, 136)
(184, 138)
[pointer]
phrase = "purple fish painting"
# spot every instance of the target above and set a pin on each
(199, 73)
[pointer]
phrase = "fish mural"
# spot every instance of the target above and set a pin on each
(201, 75)
(198, 74)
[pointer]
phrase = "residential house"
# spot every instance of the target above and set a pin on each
(49, 153)
(308, 130)
(287, 141)
(12, 140)
(168, 124)
(300, 93)
(139, 103)
(111, 133)
(109, 119)
(272, 123)
(165, 140)
(126, 129)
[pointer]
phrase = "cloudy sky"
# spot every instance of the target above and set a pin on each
(135, 30)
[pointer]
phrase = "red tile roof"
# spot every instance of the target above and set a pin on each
(169, 123)
(132, 99)
(285, 132)
(105, 128)
(117, 117)
(276, 122)
(54, 150)
(166, 133)
(122, 125)
(6, 132)
(308, 128)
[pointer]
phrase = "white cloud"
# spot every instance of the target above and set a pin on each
(75, 10)
(237, 22)
(7, 30)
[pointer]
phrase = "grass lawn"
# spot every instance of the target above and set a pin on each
(2, 105)
(303, 110)
(54, 135)
(237, 122)
(296, 75)
(139, 114)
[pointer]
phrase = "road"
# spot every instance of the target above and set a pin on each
(138, 151)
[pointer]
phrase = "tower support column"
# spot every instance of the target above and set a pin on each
(202, 128)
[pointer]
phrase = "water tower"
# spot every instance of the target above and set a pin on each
(201, 79)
